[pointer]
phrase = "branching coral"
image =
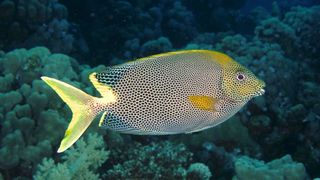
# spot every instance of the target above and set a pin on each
(80, 162)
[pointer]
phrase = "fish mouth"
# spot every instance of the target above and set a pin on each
(260, 92)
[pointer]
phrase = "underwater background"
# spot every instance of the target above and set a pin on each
(276, 136)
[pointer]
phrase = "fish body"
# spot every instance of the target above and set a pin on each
(171, 93)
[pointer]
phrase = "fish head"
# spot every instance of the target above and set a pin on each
(240, 84)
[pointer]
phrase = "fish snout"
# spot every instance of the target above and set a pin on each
(261, 90)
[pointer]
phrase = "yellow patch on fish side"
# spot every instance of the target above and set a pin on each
(206, 103)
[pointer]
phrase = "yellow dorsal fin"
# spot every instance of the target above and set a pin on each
(104, 90)
(172, 54)
(219, 57)
(206, 103)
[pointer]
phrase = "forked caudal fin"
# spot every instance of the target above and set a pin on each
(83, 106)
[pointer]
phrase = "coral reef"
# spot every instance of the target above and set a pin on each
(156, 161)
(80, 162)
(198, 171)
(295, 32)
(305, 21)
(26, 24)
(115, 24)
(215, 15)
(278, 42)
(32, 116)
(278, 119)
(275, 31)
(283, 168)
(33, 120)
(54, 35)
(19, 19)
(156, 46)
(237, 137)
(178, 24)
(283, 116)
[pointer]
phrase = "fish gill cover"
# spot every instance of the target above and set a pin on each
(275, 136)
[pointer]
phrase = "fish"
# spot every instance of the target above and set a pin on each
(171, 93)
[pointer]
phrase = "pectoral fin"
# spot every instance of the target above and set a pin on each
(206, 103)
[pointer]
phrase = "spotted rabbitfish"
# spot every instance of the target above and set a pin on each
(171, 93)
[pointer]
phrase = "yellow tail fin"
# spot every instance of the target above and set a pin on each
(81, 105)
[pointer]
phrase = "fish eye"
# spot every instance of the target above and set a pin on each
(240, 76)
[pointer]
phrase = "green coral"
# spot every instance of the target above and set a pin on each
(162, 44)
(32, 117)
(199, 171)
(11, 99)
(283, 168)
(275, 31)
(11, 147)
(5, 82)
(79, 162)
(232, 44)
